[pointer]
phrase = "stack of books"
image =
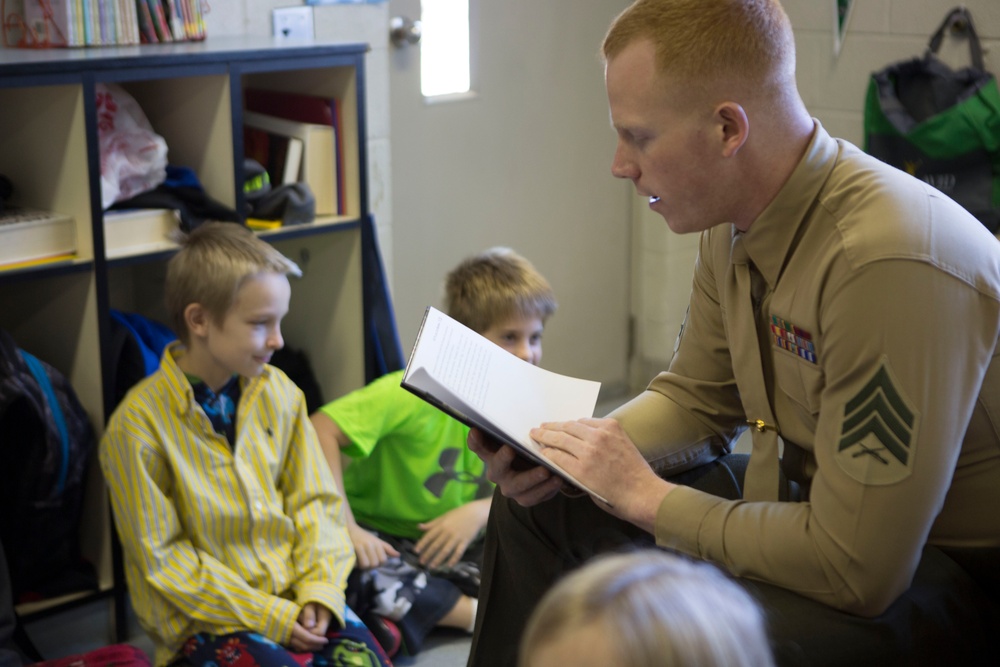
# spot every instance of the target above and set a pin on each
(273, 116)
(54, 23)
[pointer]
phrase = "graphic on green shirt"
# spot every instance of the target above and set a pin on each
(450, 473)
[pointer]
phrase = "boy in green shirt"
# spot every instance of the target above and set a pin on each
(418, 498)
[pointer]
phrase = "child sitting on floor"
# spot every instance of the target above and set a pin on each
(231, 525)
(418, 497)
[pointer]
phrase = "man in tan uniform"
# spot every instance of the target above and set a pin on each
(838, 304)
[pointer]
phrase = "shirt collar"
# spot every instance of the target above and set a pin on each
(771, 236)
(180, 385)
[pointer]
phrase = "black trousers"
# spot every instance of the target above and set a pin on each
(945, 618)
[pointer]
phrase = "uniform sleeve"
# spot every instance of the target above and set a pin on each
(691, 413)
(903, 365)
(192, 581)
(323, 554)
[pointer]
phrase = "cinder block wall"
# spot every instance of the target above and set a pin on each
(833, 87)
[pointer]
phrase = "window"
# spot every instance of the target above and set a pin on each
(444, 47)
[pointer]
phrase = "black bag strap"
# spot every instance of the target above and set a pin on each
(959, 20)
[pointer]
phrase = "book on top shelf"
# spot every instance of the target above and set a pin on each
(50, 24)
(305, 109)
(484, 386)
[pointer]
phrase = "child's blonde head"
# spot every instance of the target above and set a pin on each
(494, 286)
(655, 609)
(211, 266)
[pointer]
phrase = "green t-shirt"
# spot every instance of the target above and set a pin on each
(410, 460)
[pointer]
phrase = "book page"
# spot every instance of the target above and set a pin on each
(508, 392)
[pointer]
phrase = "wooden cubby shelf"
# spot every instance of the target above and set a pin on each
(192, 94)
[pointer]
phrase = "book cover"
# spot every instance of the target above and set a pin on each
(318, 159)
(483, 386)
(293, 160)
(50, 29)
(28, 234)
(41, 261)
(159, 21)
(175, 18)
(130, 21)
(147, 32)
(136, 231)
(305, 109)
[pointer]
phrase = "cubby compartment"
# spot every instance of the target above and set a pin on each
(193, 115)
(43, 152)
(53, 316)
(333, 83)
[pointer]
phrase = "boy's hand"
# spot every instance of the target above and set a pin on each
(370, 549)
(309, 633)
(526, 486)
(448, 536)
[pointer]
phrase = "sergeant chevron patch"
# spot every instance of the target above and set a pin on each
(878, 432)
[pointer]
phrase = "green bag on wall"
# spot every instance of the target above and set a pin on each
(939, 124)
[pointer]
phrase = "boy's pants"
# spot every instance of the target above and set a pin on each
(350, 646)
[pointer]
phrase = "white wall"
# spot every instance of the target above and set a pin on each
(880, 32)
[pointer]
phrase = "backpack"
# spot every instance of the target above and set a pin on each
(137, 343)
(46, 441)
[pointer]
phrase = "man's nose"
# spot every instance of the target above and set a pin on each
(622, 166)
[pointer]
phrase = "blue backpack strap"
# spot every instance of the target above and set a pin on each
(59, 421)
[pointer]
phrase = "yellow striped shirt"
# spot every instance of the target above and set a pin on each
(219, 539)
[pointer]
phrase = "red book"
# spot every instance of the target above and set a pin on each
(304, 109)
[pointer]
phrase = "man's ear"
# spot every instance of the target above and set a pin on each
(733, 127)
(197, 318)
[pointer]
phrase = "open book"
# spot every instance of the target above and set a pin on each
(483, 386)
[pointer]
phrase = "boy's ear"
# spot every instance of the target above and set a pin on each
(196, 318)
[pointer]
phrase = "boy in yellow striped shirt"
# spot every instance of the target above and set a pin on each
(231, 524)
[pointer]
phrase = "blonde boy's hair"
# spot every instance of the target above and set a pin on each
(213, 263)
(494, 286)
(712, 44)
(657, 609)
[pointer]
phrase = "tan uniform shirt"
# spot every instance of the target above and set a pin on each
(879, 351)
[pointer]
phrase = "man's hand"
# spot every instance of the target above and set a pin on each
(371, 550)
(309, 633)
(447, 537)
(525, 486)
(600, 454)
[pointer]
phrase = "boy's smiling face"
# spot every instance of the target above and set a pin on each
(521, 336)
(248, 335)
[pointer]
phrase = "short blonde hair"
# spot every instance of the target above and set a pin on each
(213, 263)
(707, 43)
(659, 609)
(494, 286)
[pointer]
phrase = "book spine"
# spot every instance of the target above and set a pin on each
(147, 33)
(159, 21)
